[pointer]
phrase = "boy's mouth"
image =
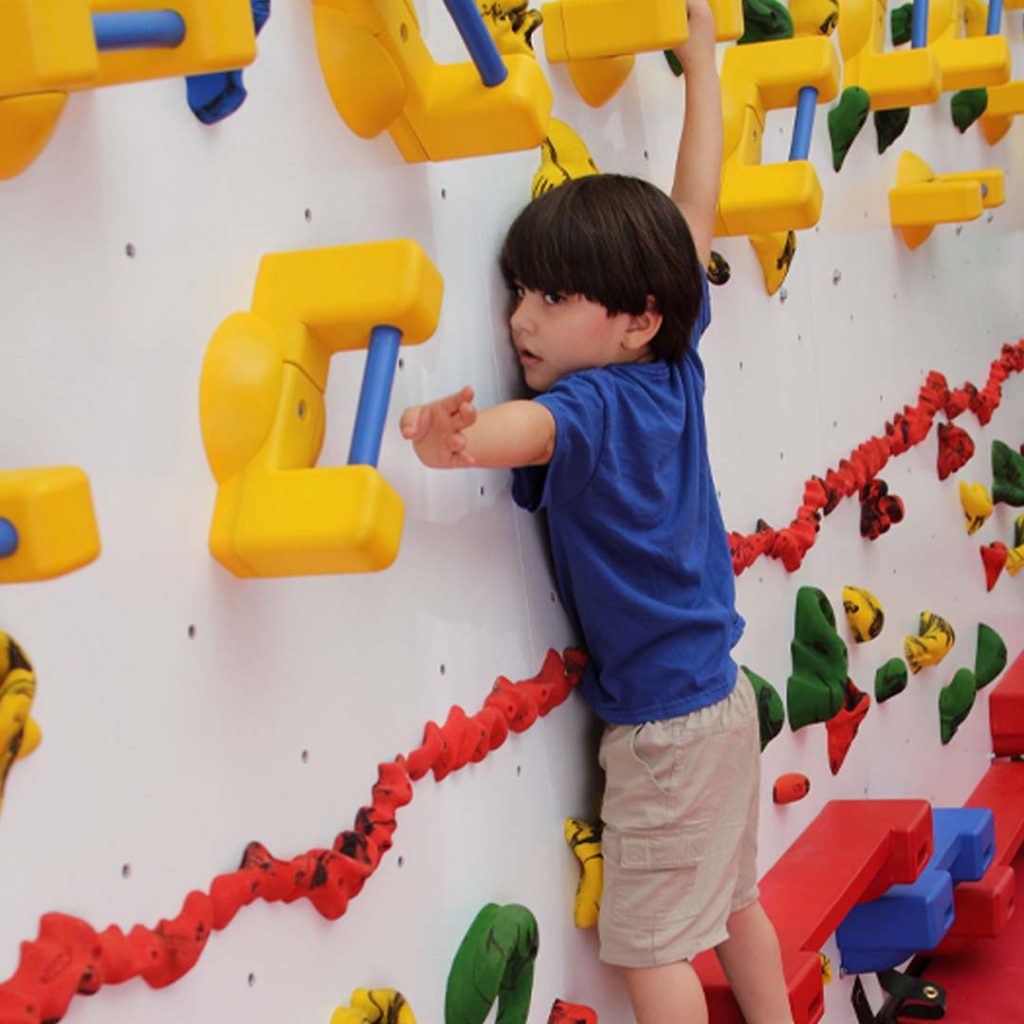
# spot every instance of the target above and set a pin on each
(527, 358)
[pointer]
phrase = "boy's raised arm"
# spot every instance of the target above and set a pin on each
(452, 434)
(699, 164)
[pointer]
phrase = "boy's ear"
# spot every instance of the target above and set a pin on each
(643, 327)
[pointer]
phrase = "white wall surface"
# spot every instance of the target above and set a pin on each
(167, 753)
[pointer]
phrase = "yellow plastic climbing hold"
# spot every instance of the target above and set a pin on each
(902, 78)
(381, 75)
(966, 62)
(263, 416)
(511, 24)
(814, 17)
(728, 19)
(758, 198)
(19, 733)
(563, 157)
(48, 48)
(864, 613)
(52, 512)
(934, 641)
(585, 29)
(775, 252)
(375, 1006)
(922, 198)
(1005, 102)
(977, 505)
(585, 842)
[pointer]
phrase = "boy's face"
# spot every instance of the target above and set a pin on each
(555, 335)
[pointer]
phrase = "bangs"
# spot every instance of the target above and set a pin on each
(560, 243)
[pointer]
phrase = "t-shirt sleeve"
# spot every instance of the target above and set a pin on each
(579, 411)
(703, 315)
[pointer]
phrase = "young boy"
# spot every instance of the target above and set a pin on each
(609, 301)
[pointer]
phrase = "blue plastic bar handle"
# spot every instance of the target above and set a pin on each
(995, 17)
(919, 25)
(8, 538)
(379, 375)
(482, 50)
(806, 105)
(138, 30)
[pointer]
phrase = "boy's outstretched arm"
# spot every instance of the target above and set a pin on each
(699, 165)
(452, 434)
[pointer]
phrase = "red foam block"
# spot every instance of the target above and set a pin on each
(1006, 712)
(852, 852)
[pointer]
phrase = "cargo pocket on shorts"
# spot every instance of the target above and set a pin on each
(656, 874)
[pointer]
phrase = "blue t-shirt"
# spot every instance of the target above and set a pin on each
(637, 538)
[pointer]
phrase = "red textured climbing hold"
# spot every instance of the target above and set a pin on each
(956, 449)
(842, 727)
(790, 787)
(994, 556)
(571, 1013)
(879, 509)
(69, 957)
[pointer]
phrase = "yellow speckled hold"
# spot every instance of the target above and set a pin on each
(585, 842)
(375, 1006)
(863, 613)
(563, 157)
(934, 641)
(19, 734)
(977, 505)
(814, 17)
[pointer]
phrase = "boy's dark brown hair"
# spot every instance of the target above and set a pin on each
(614, 240)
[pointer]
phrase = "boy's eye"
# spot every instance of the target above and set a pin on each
(518, 292)
(553, 298)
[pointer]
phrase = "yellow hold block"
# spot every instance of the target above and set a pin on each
(758, 198)
(48, 48)
(263, 415)
(375, 1006)
(585, 29)
(729, 19)
(922, 199)
(381, 75)
(1005, 102)
(902, 78)
(971, 61)
(51, 509)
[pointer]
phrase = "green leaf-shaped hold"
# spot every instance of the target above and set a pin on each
(493, 963)
(1007, 475)
(845, 121)
(890, 125)
(955, 703)
(765, 20)
(991, 657)
(816, 688)
(967, 106)
(770, 713)
(890, 679)
(902, 21)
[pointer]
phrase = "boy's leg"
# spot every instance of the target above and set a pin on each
(668, 994)
(752, 962)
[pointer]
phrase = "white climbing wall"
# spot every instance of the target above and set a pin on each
(186, 712)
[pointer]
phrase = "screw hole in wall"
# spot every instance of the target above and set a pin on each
(305, 757)
(401, 860)
(444, 193)
(129, 251)
(126, 871)
(192, 632)
(441, 669)
(401, 364)
(308, 214)
(519, 770)
(251, 980)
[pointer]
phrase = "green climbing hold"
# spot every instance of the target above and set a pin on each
(674, 63)
(817, 687)
(991, 657)
(967, 106)
(955, 703)
(1007, 475)
(902, 22)
(494, 962)
(845, 121)
(765, 20)
(890, 679)
(770, 713)
(890, 125)
(718, 269)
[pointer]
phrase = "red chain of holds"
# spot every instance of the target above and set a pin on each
(70, 958)
(908, 428)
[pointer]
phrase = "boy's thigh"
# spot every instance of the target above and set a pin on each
(680, 830)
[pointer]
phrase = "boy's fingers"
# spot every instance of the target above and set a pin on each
(408, 421)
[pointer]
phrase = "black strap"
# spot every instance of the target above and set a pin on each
(917, 998)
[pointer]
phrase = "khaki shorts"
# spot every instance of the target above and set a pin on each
(680, 830)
